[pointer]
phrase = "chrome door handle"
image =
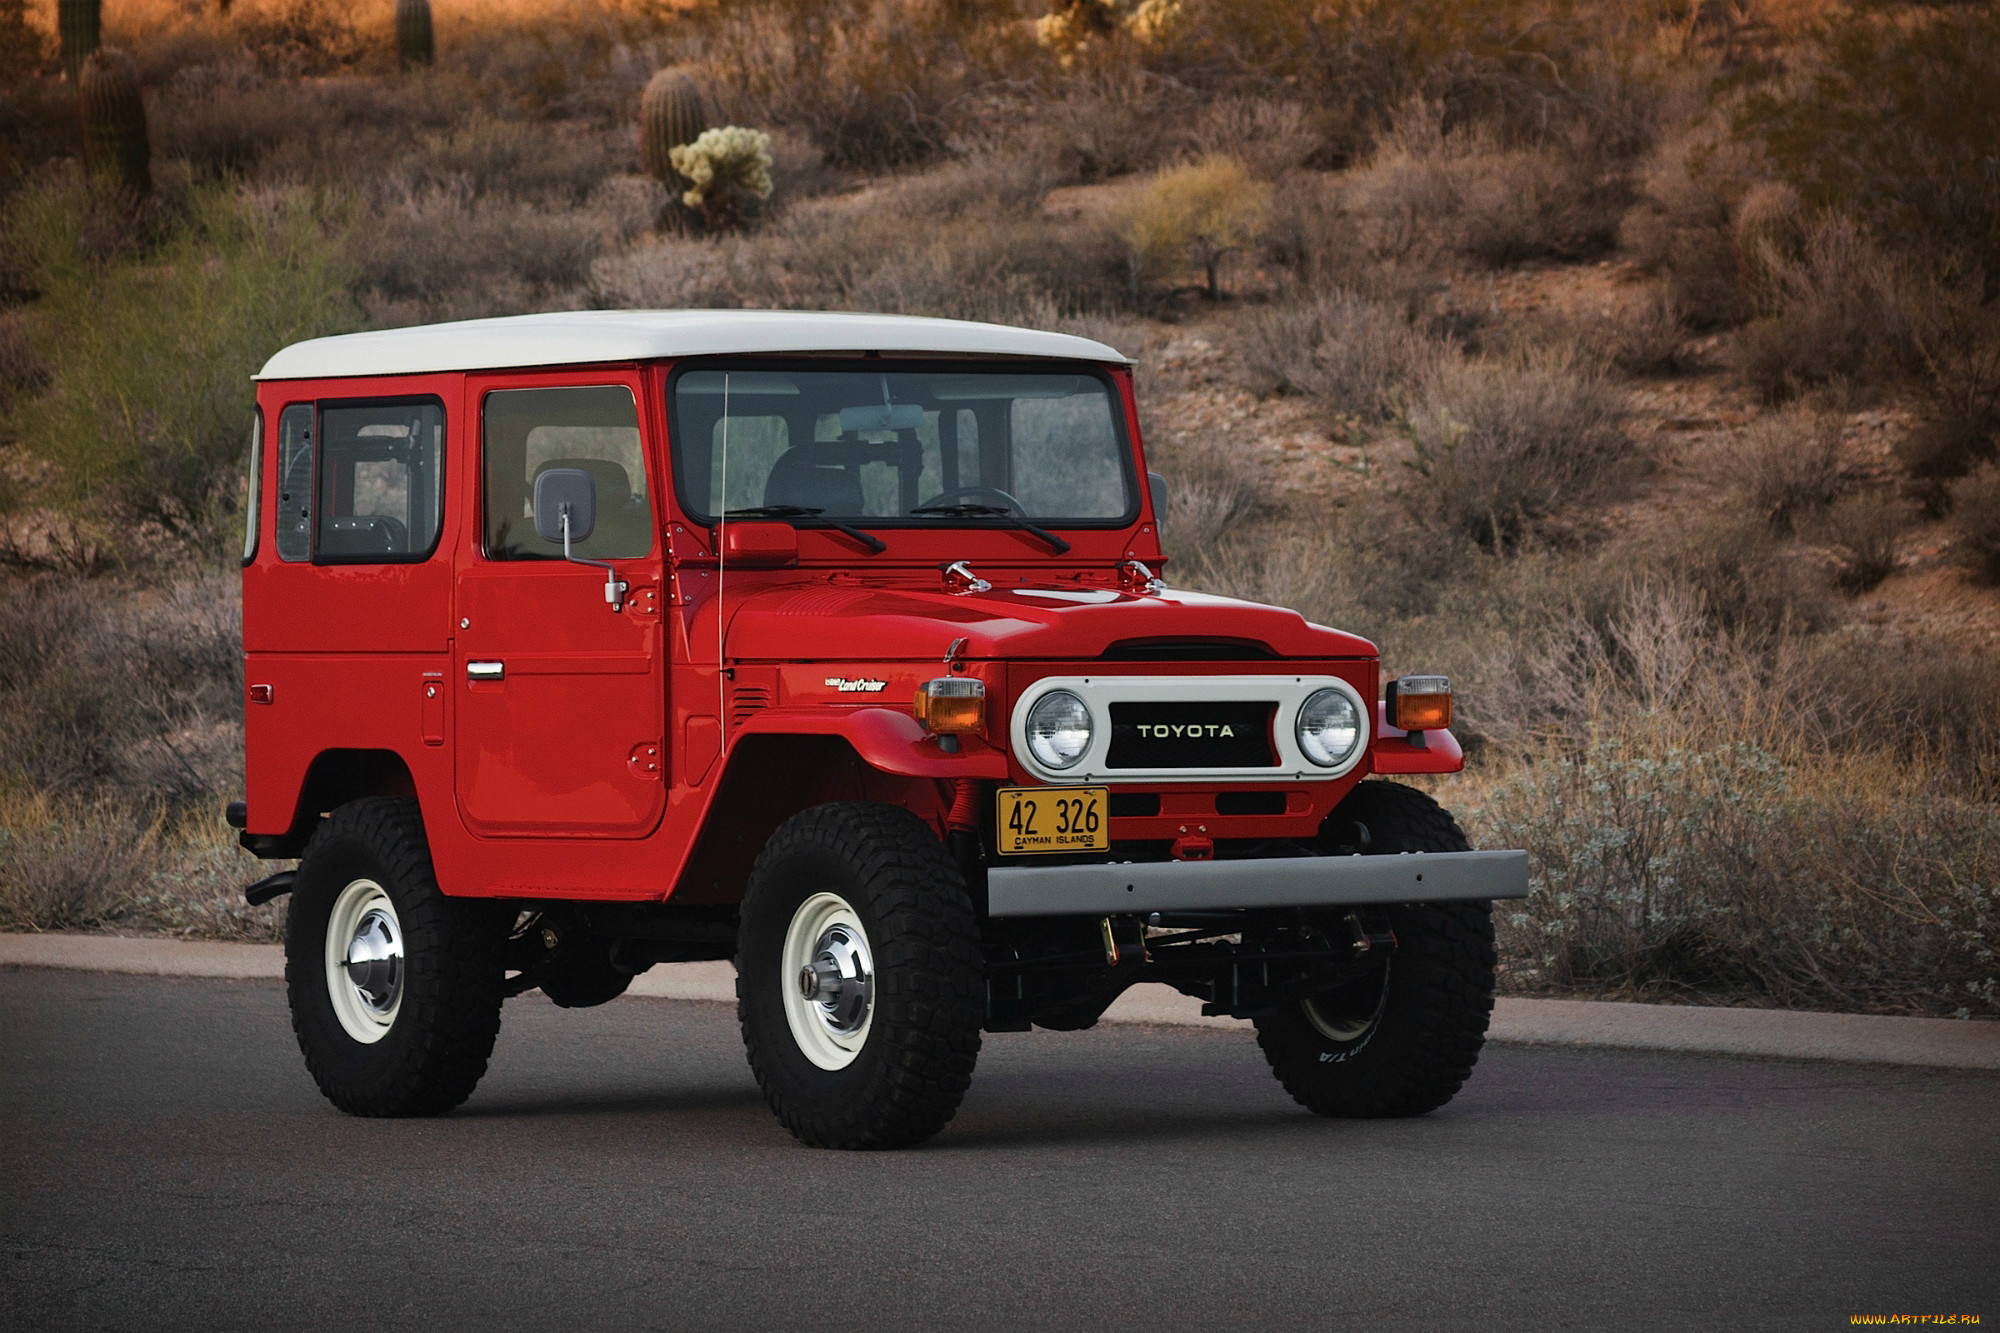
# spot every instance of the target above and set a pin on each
(486, 671)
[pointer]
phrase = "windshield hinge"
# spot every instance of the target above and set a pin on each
(959, 578)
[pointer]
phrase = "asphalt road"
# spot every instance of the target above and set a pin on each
(166, 1163)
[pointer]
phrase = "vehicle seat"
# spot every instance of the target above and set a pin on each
(800, 477)
(624, 522)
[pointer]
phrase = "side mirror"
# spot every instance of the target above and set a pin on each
(566, 512)
(757, 545)
(565, 491)
(1156, 486)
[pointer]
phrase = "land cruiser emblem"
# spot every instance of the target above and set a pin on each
(1163, 731)
(846, 686)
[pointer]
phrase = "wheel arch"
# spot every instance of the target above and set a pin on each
(335, 777)
(768, 778)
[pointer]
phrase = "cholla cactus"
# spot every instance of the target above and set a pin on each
(1068, 27)
(1153, 19)
(725, 164)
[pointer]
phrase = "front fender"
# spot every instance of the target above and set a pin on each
(1397, 751)
(886, 740)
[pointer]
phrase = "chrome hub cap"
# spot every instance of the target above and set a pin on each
(829, 981)
(364, 961)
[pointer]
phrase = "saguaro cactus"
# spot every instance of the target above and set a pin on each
(670, 115)
(415, 42)
(114, 120)
(79, 23)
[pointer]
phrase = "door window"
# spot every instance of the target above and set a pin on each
(379, 499)
(593, 429)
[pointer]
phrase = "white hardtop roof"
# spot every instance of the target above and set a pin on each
(583, 337)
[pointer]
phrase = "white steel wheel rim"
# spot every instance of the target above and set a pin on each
(826, 974)
(1349, 1029)
(364, 961)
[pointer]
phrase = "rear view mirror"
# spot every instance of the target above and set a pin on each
(1156, 487)
(884, 416)
(560, 492)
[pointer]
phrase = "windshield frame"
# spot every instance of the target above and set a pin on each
(809, 363)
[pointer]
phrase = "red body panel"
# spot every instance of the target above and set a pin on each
(593, 766)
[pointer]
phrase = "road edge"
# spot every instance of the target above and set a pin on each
(1937, 1043)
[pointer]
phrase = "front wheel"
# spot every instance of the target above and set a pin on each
(395, 989)
(1401, 1039)
(859, 983)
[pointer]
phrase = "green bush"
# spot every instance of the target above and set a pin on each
(150, 348)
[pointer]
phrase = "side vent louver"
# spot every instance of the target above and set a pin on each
(747, 701)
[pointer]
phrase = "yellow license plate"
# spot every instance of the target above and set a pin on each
(1054, 819)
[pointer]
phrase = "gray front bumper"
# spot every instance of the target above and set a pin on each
(1295, 881)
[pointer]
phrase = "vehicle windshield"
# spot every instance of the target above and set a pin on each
(903, 448)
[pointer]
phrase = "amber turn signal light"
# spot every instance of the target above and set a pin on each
(1419, 703)
(952, 704)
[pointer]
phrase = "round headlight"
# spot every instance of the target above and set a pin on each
(1329, 728)
(1058, 729)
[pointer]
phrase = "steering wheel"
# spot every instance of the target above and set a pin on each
(948, 496)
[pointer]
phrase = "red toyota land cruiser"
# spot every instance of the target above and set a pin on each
(834, 645)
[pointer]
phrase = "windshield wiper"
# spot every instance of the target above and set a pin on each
(874, 544)
(1057, 544)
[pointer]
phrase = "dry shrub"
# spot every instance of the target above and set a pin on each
(1789, 466)
(1099, 124)
(1682, 225)
(1845, 309)
(1650, 337)
(1729, 869)
(1961, 358)
(70, 864)
(1890, 114)
(876, 83)
(1749, 584)
(1682, 841)
(1863, 530)
(1771, 232)
(1213, 493)
(451, 254)
(137, 695)
(1976, 521)
(1352, 354)
(1502, 445)
(1494, 203)
(1271, 138)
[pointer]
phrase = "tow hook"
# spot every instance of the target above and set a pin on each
(1196, 846)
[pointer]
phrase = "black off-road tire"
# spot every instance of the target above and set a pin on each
(442, 1033)
(1432, 1016)
(922, 1041)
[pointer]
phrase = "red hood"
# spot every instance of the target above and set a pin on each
(836, 622)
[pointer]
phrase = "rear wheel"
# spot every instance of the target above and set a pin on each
(1402, 1039)
(395, 989)
(859, 982)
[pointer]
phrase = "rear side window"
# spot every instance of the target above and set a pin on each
(253, 486)
(595, 430)
(295, 482)
(380, 500)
